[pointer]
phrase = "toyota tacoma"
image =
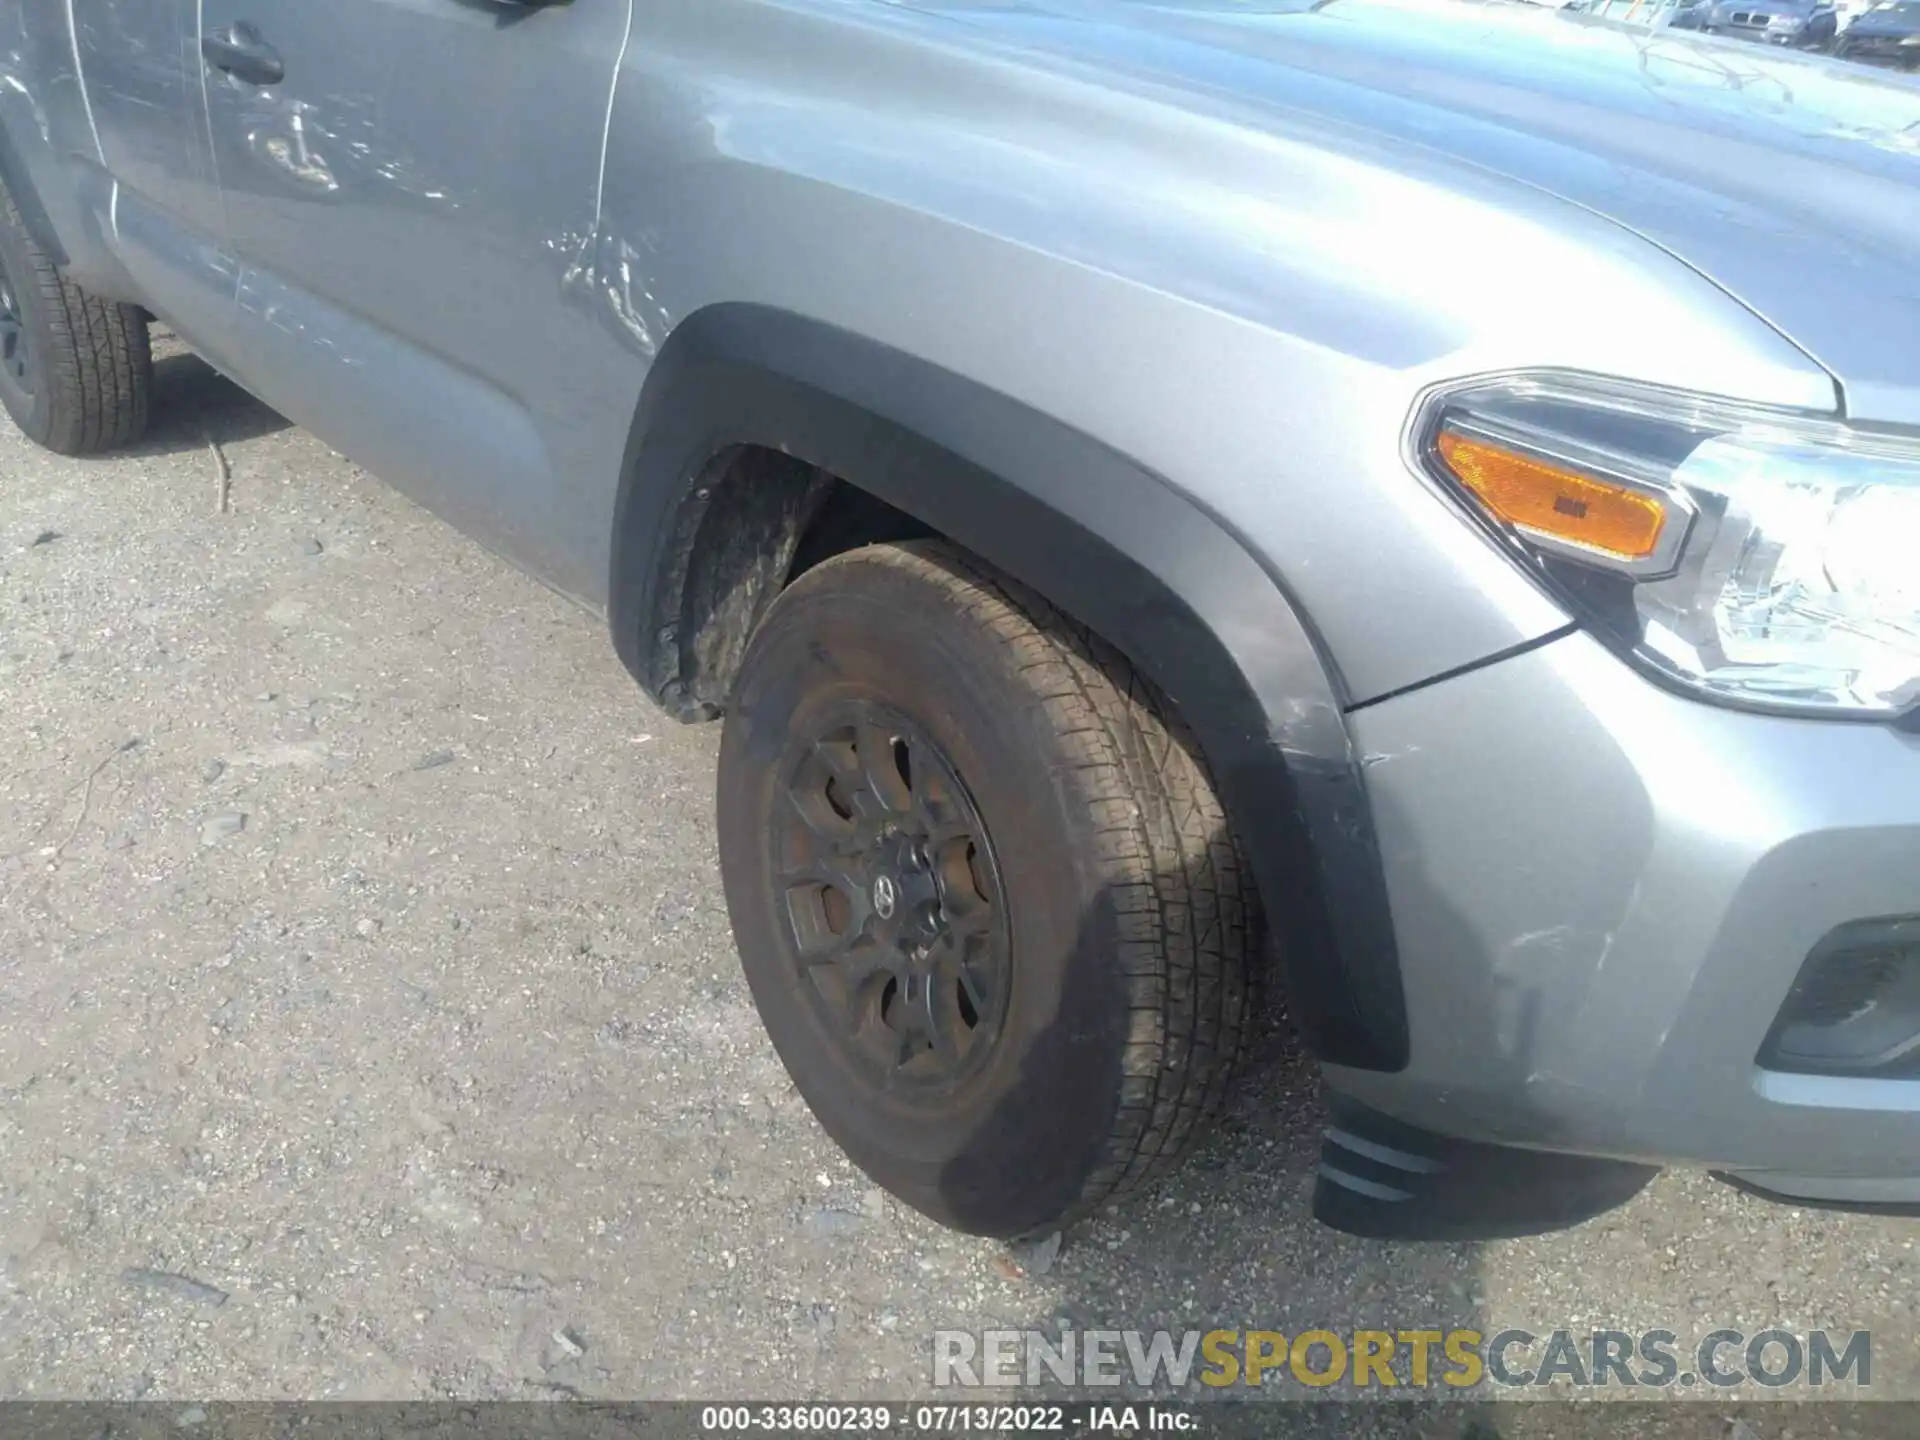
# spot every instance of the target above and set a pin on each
(1404, 508)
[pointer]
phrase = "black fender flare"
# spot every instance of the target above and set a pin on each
(59, 196)
(1116, 547)
(26, 195)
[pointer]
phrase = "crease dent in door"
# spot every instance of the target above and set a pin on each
(405, 254)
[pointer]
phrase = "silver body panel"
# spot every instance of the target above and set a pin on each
(1603, 893)
(1231, 243)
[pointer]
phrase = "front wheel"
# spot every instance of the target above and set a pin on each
(76, 372)
(986, 898)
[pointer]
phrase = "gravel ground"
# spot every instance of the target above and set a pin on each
(370, 1026)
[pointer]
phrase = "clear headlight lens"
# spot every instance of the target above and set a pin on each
(1758, 557)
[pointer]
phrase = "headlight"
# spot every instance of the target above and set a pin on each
(1759, 557)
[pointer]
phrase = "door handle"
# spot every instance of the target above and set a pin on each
(241, 53)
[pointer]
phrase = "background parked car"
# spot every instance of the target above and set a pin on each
(1654, 14)
(1805, 24)
(1887, 34)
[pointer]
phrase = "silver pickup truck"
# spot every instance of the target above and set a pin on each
(1406, 511)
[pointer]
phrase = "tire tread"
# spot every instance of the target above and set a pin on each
(1189, 917)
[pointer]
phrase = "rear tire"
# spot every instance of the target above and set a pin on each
(76, 372)
(915, 741)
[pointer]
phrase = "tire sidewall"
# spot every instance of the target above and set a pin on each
(1012, 1148)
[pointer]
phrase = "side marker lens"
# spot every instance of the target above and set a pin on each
(1547, 500)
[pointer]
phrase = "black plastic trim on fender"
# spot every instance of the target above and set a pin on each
(26, 198)
(52, 191)
(1115, 547)
(1899, 1209)
(1386, 1180)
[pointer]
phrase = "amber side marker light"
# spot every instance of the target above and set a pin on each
(1541, 497)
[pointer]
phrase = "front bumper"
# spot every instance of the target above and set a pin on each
(1603, 893)
(1764, 35)
(1890, 53)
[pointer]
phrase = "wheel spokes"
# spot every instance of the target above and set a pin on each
(972, 992)
(841, 872)
(882, 758)
(13, 342)
(893, 900)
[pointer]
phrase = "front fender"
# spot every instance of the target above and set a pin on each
(48, 159)
(1111, 544)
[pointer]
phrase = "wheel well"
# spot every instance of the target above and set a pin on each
(740, 392)
(754, 522)
(848, 518)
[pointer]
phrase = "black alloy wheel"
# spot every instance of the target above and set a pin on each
(892, 899)
(986, 899)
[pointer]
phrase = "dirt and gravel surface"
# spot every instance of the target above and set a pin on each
(370, 1026)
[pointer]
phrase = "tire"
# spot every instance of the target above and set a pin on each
(910, 733)
(76, 372)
